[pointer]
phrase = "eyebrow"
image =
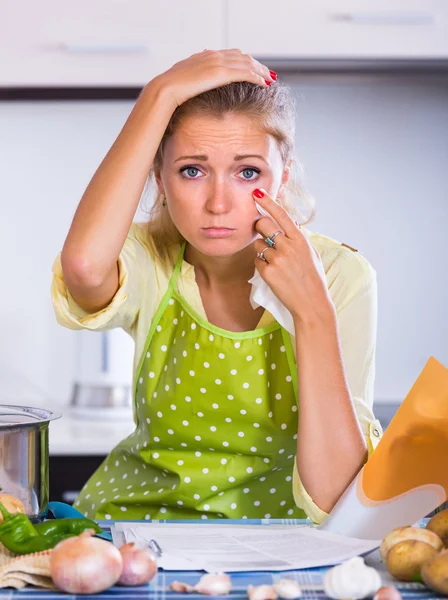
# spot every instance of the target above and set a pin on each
(204, 157)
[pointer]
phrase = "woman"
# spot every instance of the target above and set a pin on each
(217, 383)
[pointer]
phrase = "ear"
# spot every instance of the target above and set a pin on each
(285, 176)
(159, 183)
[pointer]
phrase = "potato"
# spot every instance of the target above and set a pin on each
(439, 524)
(400, 534)
(435, 573)
(405, 560)
(12, 504)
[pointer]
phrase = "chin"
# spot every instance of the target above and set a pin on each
(220, 247)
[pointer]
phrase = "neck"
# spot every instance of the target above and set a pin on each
(222, 271)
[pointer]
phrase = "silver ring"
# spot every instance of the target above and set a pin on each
(270, 239)
(261, 254)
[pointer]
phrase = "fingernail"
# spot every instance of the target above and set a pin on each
(258, 193)
(273, 75)
(268, 82)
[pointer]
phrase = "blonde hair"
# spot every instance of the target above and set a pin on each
(272, 109)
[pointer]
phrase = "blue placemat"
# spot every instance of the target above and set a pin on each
(310, 580)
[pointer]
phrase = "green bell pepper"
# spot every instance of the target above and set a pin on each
(20, 536)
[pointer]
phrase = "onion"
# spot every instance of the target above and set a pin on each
(139, 565)
(85, 564)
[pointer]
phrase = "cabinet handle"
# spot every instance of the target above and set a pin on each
(78, 48)
(385, 18)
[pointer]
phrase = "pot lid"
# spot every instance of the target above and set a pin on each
(11, 415)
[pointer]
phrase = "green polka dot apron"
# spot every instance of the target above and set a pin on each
(216, 425)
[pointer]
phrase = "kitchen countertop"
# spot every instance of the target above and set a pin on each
(94, 432)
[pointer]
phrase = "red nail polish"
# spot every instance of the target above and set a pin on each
(273, 75)
(268, 82)
(258, 193)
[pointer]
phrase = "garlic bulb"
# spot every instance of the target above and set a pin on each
(387, 593)
(178, 586)
(288, 589)
(211, 584)
(261, 592)
(214, 585)
(351, 580)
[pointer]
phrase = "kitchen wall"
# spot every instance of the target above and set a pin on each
(375, 153)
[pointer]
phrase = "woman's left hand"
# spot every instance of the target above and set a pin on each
(293, 268)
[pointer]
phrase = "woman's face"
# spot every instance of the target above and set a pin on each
(209, 173)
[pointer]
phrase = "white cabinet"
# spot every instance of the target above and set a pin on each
(102, 42)
(125, 43)
(347, 29)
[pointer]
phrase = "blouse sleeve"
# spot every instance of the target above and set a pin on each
(123, 309)
(357, 324)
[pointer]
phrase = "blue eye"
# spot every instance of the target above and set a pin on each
(187, 169)
(251, 171)
(192, 172)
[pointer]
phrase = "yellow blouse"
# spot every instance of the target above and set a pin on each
(143, 278)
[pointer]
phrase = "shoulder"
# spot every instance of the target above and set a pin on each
(141, 245)
(138, 235)
(346, 269)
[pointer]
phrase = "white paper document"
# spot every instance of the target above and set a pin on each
(215, 548)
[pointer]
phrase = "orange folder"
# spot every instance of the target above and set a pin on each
(406, 477)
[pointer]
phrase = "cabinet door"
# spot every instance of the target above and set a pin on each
(348, 29)
(102, 42)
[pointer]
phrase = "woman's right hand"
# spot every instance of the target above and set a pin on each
(211, 69)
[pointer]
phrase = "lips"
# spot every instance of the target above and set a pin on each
(217, 232)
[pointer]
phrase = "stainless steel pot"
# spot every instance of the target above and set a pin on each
(24, 456)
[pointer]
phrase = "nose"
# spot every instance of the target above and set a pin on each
(219, 198)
